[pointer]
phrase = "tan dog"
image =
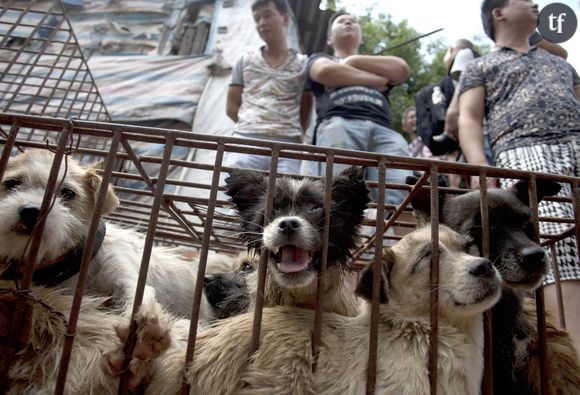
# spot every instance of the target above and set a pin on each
(563, 365)
(283, 363)
(114, 268)
(34, 369)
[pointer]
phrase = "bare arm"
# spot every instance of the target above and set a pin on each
(234, 101)
(305, 109)
(577, 90)
(332, 74)
(393, 68)
(553, 48)
(471, 110)
(452, 116)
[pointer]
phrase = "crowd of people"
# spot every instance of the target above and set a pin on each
(516, 107)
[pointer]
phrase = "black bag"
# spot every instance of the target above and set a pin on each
(431, 117)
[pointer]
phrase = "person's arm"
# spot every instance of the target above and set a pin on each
(471, 111)
(553, 48)
(452, 116)
(332, 74)
(234, 101)
(305, 110)
(395, 69)
(577, 90)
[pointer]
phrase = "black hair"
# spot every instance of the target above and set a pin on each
(332, 19)
(487, 7)
(281, 5)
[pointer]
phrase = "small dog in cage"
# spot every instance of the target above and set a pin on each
(294, 236)
(233, 292)
(522, 264)
(34, 369)
(283, 362)
(117, 255)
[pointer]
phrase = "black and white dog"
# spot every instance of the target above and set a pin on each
(294, 236)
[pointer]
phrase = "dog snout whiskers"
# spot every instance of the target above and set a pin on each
(481, 268)
(533, 259)
(28, 217)
(289, 226)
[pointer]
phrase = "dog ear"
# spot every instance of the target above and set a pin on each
(93, 181)
(364, 287)
(543, 188)
(422, 202)
(246, 188)
(350, 193)
(350, 197)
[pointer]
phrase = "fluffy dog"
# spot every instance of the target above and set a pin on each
(283, 363)
(34, 369)
(114, 268)
(522, 264)
(294, 235)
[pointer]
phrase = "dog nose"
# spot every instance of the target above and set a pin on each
(29, 216)
(208, 279)
(533, 258)
(481, 268)
(289, 226)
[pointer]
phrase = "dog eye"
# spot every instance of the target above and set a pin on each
(315, 209)
(246, 268)
(67, 194)
(12, 184)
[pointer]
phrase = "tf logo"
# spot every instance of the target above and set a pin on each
(557, 22)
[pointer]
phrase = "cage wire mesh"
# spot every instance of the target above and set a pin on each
(43, 68)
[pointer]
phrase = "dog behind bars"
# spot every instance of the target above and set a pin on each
(294, 236)
(116, 258)
(522, 264)
(283, 363)
(34, 368)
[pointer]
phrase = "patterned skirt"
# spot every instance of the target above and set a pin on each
(561, 159)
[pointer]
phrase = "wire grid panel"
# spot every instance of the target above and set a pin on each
(44, 71)
(194, 213)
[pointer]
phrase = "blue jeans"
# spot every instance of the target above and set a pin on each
(364, 135)
(247, 161)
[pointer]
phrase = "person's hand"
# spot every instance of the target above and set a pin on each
(452, 124)
(491, 182)
(382, 84)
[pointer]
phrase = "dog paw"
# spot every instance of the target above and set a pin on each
(153, 338)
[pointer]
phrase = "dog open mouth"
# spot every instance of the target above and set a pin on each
(291, 259)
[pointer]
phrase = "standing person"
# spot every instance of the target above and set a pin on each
(351, 99)
(417, 148)
(267, 97)
(531, 100)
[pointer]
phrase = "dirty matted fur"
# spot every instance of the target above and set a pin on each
(294, 235)
(34, 369)
(283, 363)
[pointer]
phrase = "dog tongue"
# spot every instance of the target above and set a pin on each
(293, 260)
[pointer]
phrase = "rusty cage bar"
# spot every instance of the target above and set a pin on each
(194, 215)
(48, 100)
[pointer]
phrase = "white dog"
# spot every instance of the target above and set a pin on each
(283, 364)
(114, 268)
